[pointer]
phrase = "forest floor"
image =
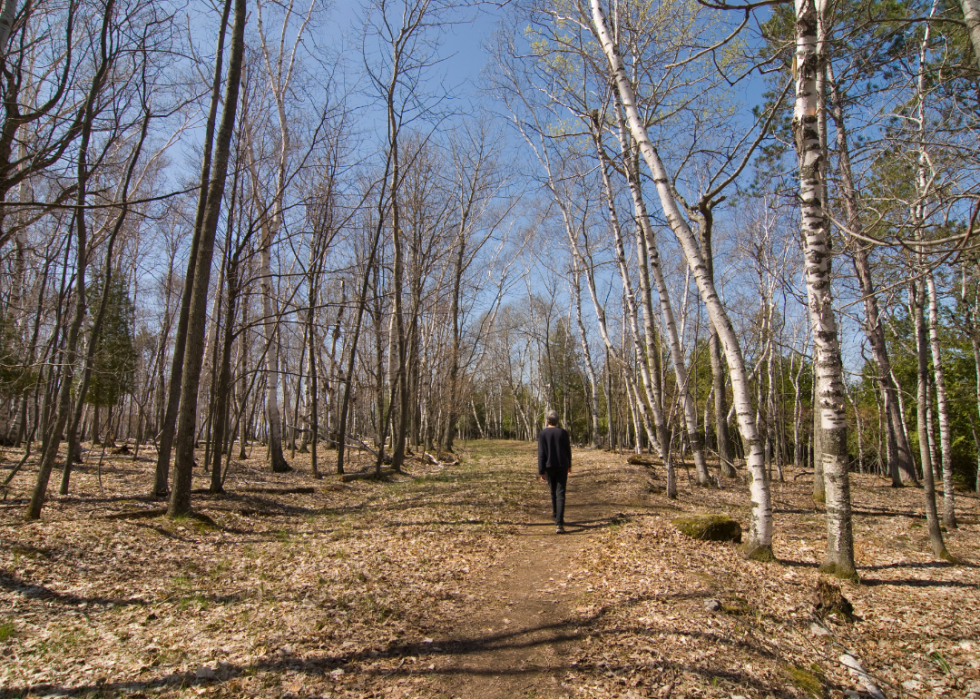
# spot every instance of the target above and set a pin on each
(450, 582)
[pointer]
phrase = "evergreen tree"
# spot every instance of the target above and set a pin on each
(114, 361)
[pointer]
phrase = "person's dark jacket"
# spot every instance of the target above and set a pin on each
(554, 450)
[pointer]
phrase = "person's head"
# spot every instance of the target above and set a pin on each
(551, 417)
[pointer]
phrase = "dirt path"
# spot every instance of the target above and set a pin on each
(522, 640)
(450, 582)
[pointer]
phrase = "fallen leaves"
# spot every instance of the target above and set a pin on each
(342, 590)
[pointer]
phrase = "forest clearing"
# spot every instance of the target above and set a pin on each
(449, 581)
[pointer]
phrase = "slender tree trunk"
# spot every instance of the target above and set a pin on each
(586, 354)
(898, 447)
(917, 304)
(314, 397)
(52, 440)
(828, 367)
(352, 350)
(225, 383)
(942, 406)
(269, 329)
(917, 301)
(644, 354)
(82, 389)
(649, 260)
(180, 496)
(759, 544)
(169, 425)
(974, 334)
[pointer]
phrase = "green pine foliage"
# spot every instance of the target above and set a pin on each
(114, 361)
(15, 376)
(960, 375)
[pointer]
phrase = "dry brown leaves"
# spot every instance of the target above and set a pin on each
(339, 592)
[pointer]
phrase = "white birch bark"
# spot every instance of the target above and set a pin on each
(649, 254)
(648, 374)
(917, 301)
(828, 367)
(971, 314)
(971, 13)
(279, 72)
(587, 268)
(942, 405)
(586, 352)
(759, 544)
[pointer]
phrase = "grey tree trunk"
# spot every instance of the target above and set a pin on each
(901, 464)
(52, 439)
(225, 384)
(7, 16)
(917, 300)
(82, 389)
(722, 435)
(180, 496)
(270, 332)
(169, 425)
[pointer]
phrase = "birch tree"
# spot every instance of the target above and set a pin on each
(815, 229)
(759, 543)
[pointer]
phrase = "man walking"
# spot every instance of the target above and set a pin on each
(554, 463)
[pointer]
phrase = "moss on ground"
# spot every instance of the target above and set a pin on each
(710, 527)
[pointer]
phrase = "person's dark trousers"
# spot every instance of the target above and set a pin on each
(557, 481)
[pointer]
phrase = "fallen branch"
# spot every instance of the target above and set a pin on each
(368, 475)
(435, 461)
(861, 674)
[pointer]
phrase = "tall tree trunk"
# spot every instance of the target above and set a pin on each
(917, 301)
(649, 260)
(180, 496)
(314, 397)
(270, 327)
(586, 354)
(355, 336)
(970, 315)
(52, 439)
(82, 389)
(644, 354)
(169, 426)
(759, 544)
(942, 406)
(222, 394)
(898, 447)
(225, 383)
(828, 367)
